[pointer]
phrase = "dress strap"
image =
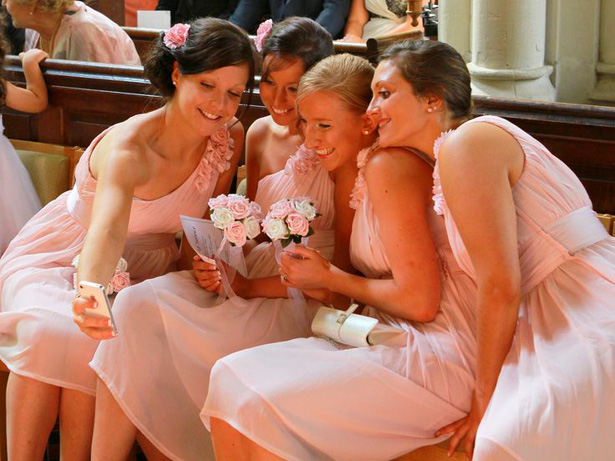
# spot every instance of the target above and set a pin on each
(422, 155)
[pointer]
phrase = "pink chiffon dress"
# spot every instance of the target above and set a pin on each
(315, 399)
(84, 34)
(38, 338)
(18, 199)
(555, 397)
(172, 331)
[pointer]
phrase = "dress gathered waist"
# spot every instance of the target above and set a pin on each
(552, 245)
(77, 209)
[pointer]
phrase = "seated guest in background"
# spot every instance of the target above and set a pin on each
(312, 399)
(377, 18)
(132, 184)
(18, 199)
(186, 10)
(331, 14)
(67, 29)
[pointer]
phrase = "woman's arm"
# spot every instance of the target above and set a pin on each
(357, 19)
(33, 98)
(399, 186)
(478, 164)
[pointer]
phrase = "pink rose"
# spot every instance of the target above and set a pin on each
(262, 34)
(176, 36)
(239, 206)
(257, 212)
(120, 281)
(281, 209)
(221, 201)
(220, 137)
(297, 224)
(235, 233)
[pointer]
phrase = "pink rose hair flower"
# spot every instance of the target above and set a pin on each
(176, 36)
(262, 34)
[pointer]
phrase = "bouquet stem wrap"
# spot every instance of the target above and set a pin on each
(294, 294)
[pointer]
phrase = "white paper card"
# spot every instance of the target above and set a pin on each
(205, 240)
(154, 19)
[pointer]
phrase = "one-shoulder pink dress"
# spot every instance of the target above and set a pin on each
(173, 331)
(555, 397)
(38, 338)
(314, 399)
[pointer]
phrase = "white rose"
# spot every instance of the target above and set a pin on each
(306, 208)
(222, 217)
(253, 228)
(276, 229)
(122, 265)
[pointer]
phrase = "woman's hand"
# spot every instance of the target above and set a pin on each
(305, 269)
(351, 38)
(95, 327)
(207, 275)
(465, 427)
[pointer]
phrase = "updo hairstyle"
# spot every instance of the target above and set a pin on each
(436, 68)
(345, 75)
(211, 44)
(49, 6)
(297, 38)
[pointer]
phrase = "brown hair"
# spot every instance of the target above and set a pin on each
(297, 38)
(49, 5)
(433, 67)
(345, 75)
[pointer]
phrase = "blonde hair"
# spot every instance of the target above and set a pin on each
(345, 75)
(49, 6)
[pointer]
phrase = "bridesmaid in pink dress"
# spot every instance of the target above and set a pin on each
(18, 199)
(521, 225)
(315, 399)
(132, 184)
(173, 327)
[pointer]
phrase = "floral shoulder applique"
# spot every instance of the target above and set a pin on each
(303, 161)
(216, 159)
(360, 186)
(438, 196)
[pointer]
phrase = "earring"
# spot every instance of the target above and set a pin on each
(430, 109)
(365, 131)
(174, 83)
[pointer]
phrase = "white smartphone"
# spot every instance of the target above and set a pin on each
(99, 293)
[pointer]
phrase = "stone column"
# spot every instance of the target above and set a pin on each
(455, 25)
(605, 88)
(508, 49)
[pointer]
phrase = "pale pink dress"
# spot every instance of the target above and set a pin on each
(555, 398)
(38, 338)
(87, 35)
(312, 399)
(172, 332)
(18, 199)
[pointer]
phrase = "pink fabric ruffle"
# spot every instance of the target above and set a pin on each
(360, 186)
(303, 161)
(438, 196)
(217, 158)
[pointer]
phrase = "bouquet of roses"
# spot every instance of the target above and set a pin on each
(119, 281)
(237, 216)
(288, 220)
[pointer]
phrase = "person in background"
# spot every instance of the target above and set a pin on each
(18, 199)
(331, 14)
(67, 29)
(186, 10)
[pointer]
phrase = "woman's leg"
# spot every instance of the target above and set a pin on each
(32, 411)
(76, 424)
(151, 452)
(114, 433)
(231, 445)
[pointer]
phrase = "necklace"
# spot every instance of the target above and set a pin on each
(51, 42)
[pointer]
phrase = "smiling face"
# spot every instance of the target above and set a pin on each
(278, 89)
(209, 99)
(400, 114)
(331, 128)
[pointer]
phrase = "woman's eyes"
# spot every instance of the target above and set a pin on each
(324, 126)
(384, 94)
(235, 94)
(267, 82)
(292, 89)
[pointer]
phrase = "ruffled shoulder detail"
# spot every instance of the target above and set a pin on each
(360, 186)
(302, 162)
(216, 159)
(438, 196)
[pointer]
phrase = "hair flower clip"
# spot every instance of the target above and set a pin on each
(176, 36)
(262, 34)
